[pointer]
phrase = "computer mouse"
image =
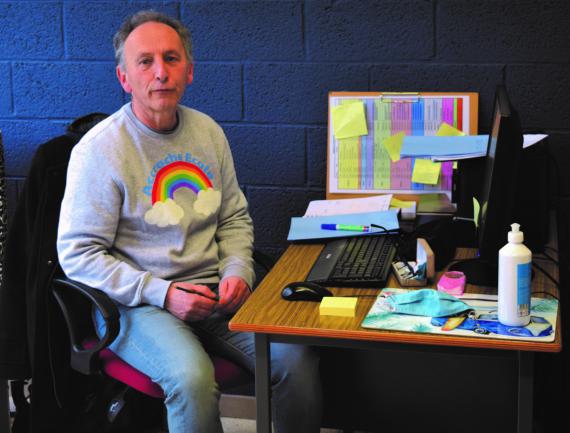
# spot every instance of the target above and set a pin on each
(304, 291)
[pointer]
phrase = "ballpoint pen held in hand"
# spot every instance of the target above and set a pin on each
(195, 292)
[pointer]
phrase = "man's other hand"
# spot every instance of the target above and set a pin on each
(233, 293)
(190, 302)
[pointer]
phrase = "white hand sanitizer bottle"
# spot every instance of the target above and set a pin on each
(514, 280)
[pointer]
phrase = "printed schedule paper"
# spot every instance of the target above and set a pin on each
(369, 159)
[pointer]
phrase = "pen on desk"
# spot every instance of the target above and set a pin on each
(348, 227)
(195, 292)
(463, 219)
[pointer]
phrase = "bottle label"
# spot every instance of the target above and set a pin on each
(523, 289)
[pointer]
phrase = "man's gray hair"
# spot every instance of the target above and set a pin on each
(142, 17)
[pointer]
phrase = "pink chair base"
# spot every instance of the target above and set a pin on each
(227, 374)
(123, 372)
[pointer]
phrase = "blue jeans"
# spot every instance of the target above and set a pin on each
(171, 352)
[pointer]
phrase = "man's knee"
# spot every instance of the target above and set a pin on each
(191, 380)
(294, 363)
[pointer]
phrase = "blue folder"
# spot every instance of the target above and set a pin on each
(310, 227)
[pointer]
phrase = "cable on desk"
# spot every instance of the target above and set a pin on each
(454, 261)
(543, 292)
(551, 248)
(399, 242)
(546, 257)
(385, 230)
(546, 274)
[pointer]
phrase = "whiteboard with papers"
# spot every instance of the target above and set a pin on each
(366, 133)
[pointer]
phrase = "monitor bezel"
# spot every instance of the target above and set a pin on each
(498, 190)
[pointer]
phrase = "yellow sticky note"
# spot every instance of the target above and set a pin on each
(476, 209)
(393, 145)
(349, 120)
(446, 130)
(426, 171)
(338, 306)
(401, 203)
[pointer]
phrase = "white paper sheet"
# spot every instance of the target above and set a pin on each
(348, 206)
(530, 139)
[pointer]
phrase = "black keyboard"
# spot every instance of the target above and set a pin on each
(363, 261)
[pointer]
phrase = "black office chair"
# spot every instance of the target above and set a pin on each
(91, 355)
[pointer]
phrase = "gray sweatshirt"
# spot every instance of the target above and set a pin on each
(142, 209)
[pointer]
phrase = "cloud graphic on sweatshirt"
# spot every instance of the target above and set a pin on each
(164, 213)
(208, 201)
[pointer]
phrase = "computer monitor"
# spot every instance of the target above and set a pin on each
(498, 192)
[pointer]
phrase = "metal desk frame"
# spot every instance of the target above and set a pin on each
(525, 363)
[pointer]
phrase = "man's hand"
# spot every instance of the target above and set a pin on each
(190, 302)
(233, 293)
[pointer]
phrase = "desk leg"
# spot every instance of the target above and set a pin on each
(262, 377)
(4, 408)
(525, 394)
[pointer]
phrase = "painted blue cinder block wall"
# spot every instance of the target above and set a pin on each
(264, 68)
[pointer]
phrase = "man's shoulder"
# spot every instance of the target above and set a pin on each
(101, 132)
(194, 117)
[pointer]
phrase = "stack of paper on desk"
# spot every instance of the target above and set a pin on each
(407, 208)
(348, 205)
(310, 228)
(435, 204)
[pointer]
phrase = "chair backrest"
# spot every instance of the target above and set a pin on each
(3, 213)
(35, 336)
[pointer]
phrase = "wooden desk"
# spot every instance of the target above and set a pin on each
(274, 320)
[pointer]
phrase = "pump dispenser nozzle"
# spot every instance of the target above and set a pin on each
(515, 235)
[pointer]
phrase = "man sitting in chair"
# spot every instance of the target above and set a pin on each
(153, 216)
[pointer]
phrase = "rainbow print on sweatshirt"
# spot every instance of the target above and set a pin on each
(179, 174)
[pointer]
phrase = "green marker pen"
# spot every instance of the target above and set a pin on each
(348, 227)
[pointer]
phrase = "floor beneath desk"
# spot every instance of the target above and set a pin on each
(235, 425)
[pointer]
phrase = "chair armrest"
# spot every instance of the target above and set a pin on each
(77, 314)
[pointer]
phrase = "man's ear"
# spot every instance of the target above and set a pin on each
(122, 77)
(190, 77)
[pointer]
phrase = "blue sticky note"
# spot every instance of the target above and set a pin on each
(310, 227)
(432, 145)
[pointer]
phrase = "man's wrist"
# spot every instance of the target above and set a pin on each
(238, 272)
(154, 292)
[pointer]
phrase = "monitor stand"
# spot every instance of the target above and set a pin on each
(478, 271)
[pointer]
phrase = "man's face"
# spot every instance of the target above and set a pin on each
(156, 71)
